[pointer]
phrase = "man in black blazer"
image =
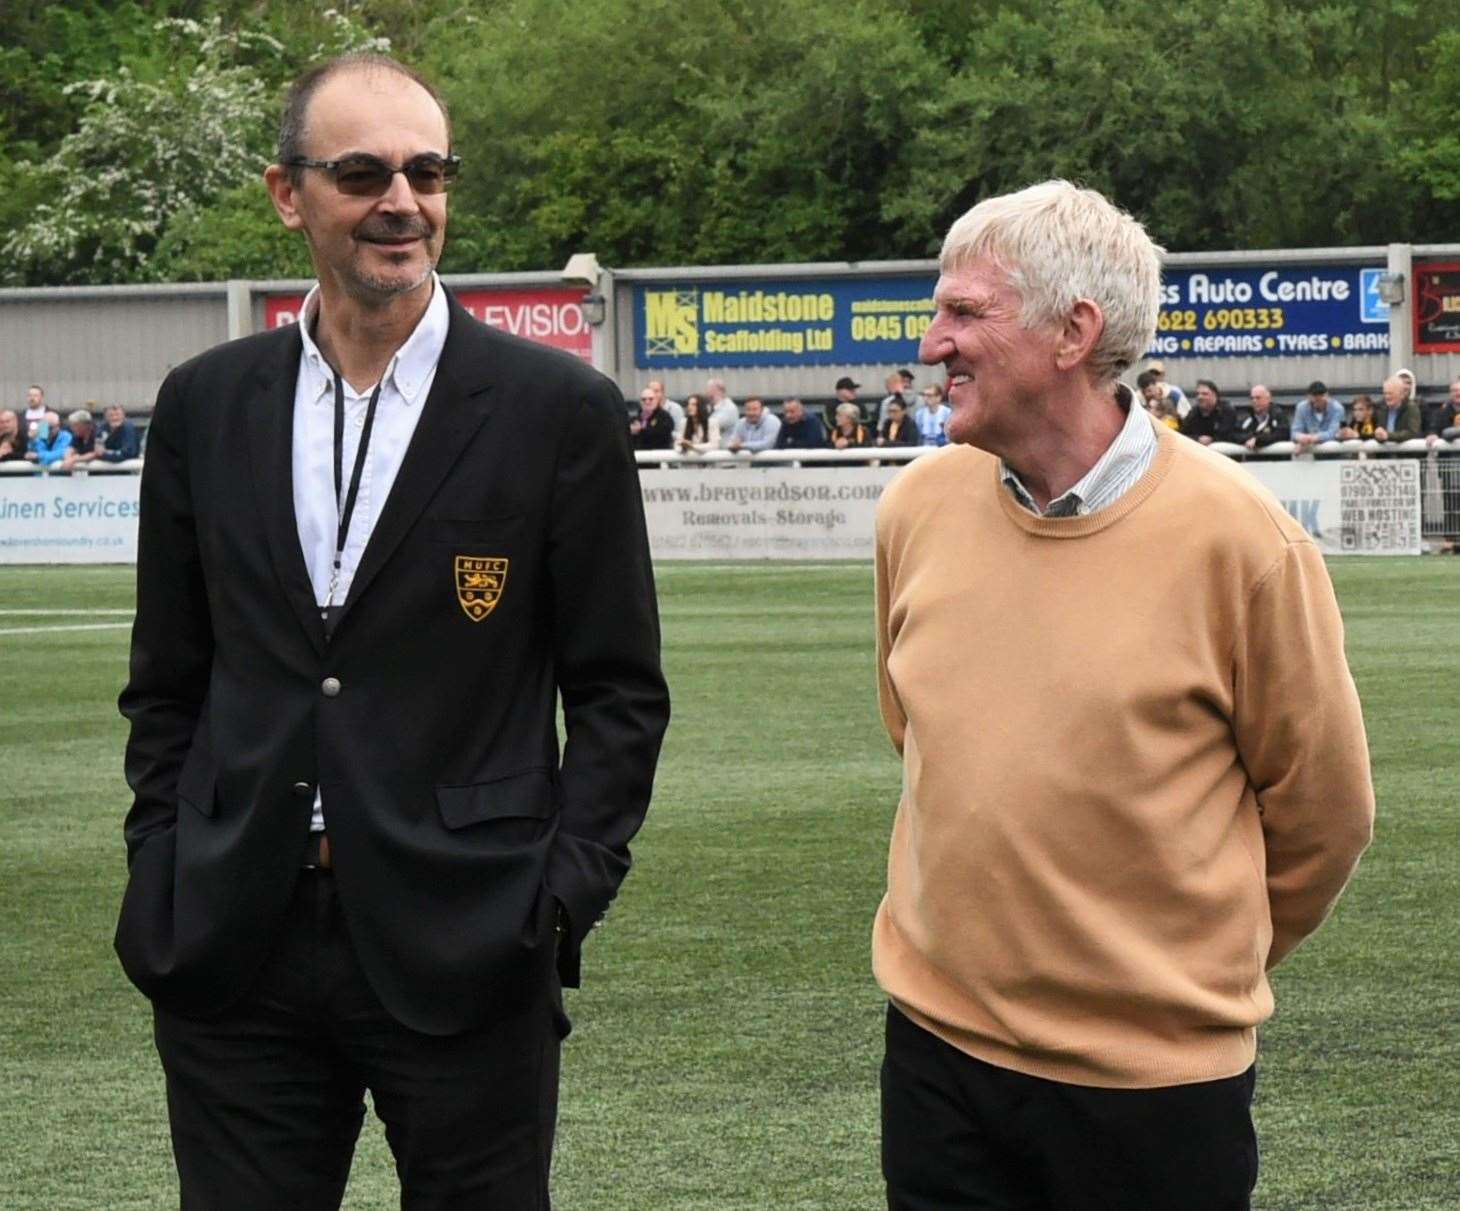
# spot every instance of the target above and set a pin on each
(357, 857)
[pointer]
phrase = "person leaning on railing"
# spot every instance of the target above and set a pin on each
(897, 429)
(701, 429)
(1361, 424)
(1447, 423)
(1399, 421)
(12, 438)
(118, 438)
(849, 433)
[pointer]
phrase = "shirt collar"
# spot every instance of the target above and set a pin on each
(408, 370)
(1101, 484)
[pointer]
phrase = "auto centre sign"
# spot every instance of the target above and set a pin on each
(550, 315)
(1271, 311)
(1288, 310)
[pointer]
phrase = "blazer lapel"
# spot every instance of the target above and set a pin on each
(455, 409)
(271, 453)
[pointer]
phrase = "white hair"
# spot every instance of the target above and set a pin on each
(1059, 244)
(847, 408)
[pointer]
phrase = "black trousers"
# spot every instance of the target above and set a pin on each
(266, 1101)
(962, 1135)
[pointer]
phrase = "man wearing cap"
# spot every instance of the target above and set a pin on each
(378, 550)
(1317, 419)
(1106, 835)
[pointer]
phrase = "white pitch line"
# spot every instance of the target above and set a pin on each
(92, 626)
(61, 613)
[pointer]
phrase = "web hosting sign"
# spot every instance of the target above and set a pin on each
(1292, 310)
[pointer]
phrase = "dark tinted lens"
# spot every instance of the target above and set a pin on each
(363, 176)
(430, 174)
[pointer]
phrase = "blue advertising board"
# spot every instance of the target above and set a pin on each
(807, 323)
(1289, 310)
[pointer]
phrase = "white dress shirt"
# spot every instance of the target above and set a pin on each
(403, 389)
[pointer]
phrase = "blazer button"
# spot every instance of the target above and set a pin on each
(303, 788)
(330, 687)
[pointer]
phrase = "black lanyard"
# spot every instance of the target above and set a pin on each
(347, 510)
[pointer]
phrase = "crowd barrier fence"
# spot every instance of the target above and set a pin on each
(1353, 497)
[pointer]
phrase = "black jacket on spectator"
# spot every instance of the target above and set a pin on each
(807, 435)
(121, 443)
(906, 435)
(1267, 429)
(657, 433)
(1220, 424)
(18, 444)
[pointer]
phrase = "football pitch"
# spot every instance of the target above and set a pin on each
(728, 1034)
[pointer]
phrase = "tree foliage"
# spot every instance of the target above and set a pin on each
(711, 131)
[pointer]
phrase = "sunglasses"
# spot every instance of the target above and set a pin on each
(363, 176)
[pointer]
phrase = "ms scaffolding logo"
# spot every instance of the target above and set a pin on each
(671, 322)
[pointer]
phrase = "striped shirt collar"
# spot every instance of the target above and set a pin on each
(1125, 460)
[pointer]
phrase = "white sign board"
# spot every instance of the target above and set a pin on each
(1350, 507)
(762, 513)
(69, 518)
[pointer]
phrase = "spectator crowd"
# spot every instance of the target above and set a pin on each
(906, 416)
(37, 436)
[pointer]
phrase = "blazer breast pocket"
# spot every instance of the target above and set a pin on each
(473, 531)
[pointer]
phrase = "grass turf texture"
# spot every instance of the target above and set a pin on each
(727, 1040)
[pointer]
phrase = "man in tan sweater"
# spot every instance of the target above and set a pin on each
(1135, 770)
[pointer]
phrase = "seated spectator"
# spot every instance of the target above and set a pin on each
(1362, 423)
(1264, 426)
(1448, 421)
(1154, 391)
(897, 430)
(1399, 421)
(12, 438)
(701, 429)
(898, 388)
(1162, 410)
(652, 429)
(49, 443)
(848, 433)
(931, 420)
(1173, 394)
(118, 436)
(673, 407)
(800, 430)
(1213, 419)
(1317, 419)
(723, 410)
(757, 430)
(84, 446)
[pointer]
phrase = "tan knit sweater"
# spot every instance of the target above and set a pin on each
(1135, 771)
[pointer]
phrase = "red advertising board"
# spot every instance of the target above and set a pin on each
(1437, 307)
(550, 315)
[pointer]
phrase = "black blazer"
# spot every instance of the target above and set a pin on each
(456, 829)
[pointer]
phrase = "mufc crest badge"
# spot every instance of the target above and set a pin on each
(479, 584)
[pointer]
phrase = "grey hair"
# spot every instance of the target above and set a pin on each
(1058, 244)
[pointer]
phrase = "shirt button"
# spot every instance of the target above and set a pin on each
(303, 788)
(330, 687)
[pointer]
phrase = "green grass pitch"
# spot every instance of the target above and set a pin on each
(728, 1035)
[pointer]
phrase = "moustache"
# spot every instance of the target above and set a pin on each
(392, 227)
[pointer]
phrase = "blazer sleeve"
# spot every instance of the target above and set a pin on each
(606, 652)
(172, 634)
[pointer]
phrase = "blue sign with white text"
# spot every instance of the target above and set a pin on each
(1292, 310)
